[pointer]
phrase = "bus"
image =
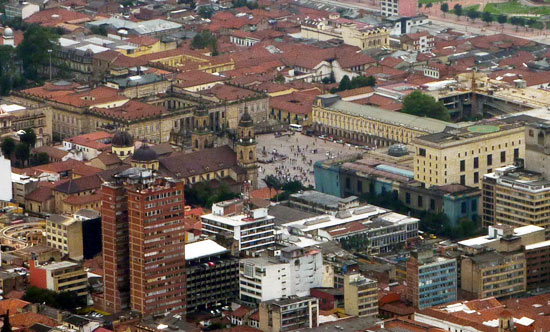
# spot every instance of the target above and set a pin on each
(295, 127)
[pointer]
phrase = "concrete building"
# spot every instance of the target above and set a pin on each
(268, 278)
(61, 276)
(537, 148)
(538, 265)
(212, 275)
(494, 274)
(516, 197)
(65, 234)
(406, 8)
(370, 124)
(464, 155)
(431, 280)
(20, 9)
(360, 296)
(289, 314)
(251, 232)
(22, 185)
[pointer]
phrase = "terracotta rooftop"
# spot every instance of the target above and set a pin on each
(53, 17)
(12, 305)
(40, 194)
(296, 103)
(183, 165)
(131, 111)
(51, 151)
(27, 319)
(81, 184)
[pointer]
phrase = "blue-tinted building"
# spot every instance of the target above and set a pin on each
(431, 280)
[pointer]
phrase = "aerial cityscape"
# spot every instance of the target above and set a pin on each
(274, 165)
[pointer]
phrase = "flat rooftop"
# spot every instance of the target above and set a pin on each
(486, 239)
(203, 248)
(57, 265)
(321, 199)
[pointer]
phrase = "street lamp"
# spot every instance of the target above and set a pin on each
(50, 54)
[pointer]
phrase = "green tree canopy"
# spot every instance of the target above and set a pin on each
(29, 137)
(8, 147)
(244, 3)
(487, 17)
(41, 158)
(206, 12)
(458, 9)
(33, 50)
(420, 104)
(64, 300)
(444, 7)
(502, 19)
(472, 13)
(205, 39)
(22, 152)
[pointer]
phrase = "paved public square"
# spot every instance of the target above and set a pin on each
(292, 157)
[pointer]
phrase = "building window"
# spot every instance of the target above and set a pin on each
(463, 207)
(422, 152)
(476, 162)
(462, 165)
(432, 204)
(420, 201)
(463, 180)
(516, 153)
(407, 198)
(502, 156)
(359, 186)
(348, 183)
(476, 177)
(474, 205)
(489, 160)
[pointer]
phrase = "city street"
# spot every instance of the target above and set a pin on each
(291, 157)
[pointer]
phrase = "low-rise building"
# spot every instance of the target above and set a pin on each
(289, 314)
(65, 234)
(431, 280)
(212, 275)
(61, 276)
(360, 296)
(90, 145)
(494, 274)
(464, 155)
(268, 278)
(516, 197)
(251, 232)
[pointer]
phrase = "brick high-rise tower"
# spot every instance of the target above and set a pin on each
(114, 223)
(156, 239)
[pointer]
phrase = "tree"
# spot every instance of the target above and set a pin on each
(22, 152)
(41, 158)
(419, 5)
(502, 19)
(205, 12)
(69, 301)
(487, 17)
(444, 8)
(205, 39)
(7, 326)
(345, 83)
(33, 50)
(458, 10)
(271, 182)
(420, 104)
(8, 147)
(29, 137)
(429, 5)
(99, 30)
(472, 13)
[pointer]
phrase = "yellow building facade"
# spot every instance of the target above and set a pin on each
(464, 155)
(369, 124)
(350, 34)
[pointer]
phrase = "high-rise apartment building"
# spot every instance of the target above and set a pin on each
(156, 241)
(406, 8)
(116, 265)
(431, 280)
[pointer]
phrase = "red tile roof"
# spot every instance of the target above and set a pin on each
(55, 16)
(12, 305)
(40, 194)
(27, 319)
(92, 140)
(240, 312)
(81, 200)
(131, 111)
(298, 103)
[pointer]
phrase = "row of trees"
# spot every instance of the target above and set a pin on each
(205, 39)
(64, 300)
(487, 17)
(356, 82)
(288, 188)
(436, 223)
(203, 194)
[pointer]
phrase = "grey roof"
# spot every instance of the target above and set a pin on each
(284, 214)
(131, 81)
(390, 117)
(321, 199)
(142, 28)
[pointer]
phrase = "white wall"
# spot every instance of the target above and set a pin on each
(6, 193)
